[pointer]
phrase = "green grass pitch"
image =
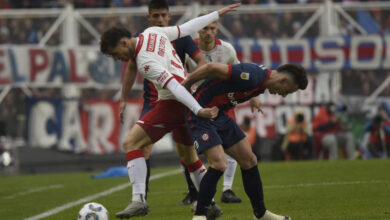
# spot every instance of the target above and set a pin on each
(303, 190)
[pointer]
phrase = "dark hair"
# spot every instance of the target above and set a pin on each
(297, 72)
(111, 37)
(158, 4)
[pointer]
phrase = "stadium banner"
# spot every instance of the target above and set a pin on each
(80, 126)
(318, 54)
(52, 66)
(86, 66)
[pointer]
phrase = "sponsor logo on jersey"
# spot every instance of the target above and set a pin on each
(161, 46)
(176, 65)
(205, 137)
(151, 42)
(163, 76)
(244, 76)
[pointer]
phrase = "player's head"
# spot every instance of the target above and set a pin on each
(291, 77)
(159, 13)
(114, 42)
(208, 33)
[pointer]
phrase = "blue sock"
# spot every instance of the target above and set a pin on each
(254, 189)
(190, 185)
(208, 187)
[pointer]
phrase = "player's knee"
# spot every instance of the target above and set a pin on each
(128, 145)
(219, 164)
(249, 162)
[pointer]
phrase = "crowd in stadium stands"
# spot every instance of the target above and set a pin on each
(369, 81)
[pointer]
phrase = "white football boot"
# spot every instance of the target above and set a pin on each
(271, 216)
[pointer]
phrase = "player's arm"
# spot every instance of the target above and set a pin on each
(197, 23)
(183, 96)
(209, 70)
(199, 59)
(127, 84)
(166, 80)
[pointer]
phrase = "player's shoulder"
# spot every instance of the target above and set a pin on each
(154, 29)
(224, 44)
(254, 66)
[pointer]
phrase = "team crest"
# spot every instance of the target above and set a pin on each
(205, 136)
(146, 68)
(244, 76)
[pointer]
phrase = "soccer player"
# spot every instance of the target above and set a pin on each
(226, 86)
(219, 51)
(192, 166)
(158, 62)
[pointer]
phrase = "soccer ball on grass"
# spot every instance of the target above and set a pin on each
(93, 211)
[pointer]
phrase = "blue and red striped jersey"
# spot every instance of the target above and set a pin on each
(246, 80)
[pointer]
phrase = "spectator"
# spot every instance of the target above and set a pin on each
(297, 143)
(330, 134)
(376, 141)
(379, 139)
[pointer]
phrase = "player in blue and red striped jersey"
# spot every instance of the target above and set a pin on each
(225, 87)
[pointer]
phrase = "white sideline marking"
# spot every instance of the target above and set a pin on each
(97, 195)
(33, 190)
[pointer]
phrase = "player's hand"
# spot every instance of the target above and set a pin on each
(255, 103)
(208, 113)
(122, 107)
(225, 10)
(186, 84)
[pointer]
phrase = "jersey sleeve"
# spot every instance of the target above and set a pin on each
(191, 26)
(190, 47)
(172, 32)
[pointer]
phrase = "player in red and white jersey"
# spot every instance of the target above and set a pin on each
(193, 168)
(218, 51)
(157, 61)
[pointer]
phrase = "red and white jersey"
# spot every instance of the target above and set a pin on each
(157, 60)
(223, 52)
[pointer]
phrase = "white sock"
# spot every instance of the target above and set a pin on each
(137, 174)
(197, 171)
(228, 175)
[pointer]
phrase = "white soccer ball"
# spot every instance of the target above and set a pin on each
(93, 211)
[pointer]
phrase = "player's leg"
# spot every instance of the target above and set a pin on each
(242, 152)
(228, 196)
(147, 151)
(217, 165)
(187, 157)
(143, 134)
(135, 140)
